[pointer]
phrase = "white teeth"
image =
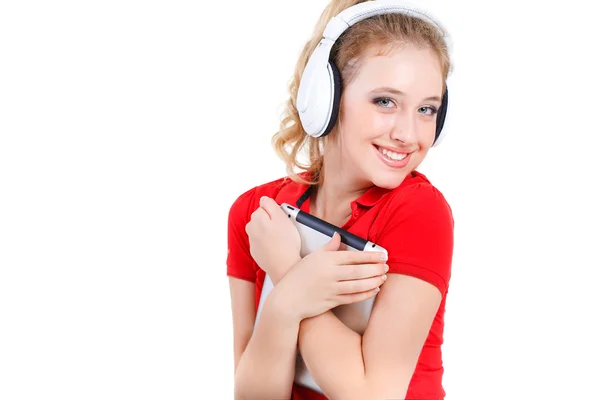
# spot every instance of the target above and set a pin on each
(391, 155)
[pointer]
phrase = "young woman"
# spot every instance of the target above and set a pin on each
(363, 151)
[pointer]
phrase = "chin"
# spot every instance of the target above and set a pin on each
(390, 180)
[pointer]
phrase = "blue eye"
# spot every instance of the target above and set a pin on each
(385, 102)
(432, 109)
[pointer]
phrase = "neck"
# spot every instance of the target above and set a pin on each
(331, 199)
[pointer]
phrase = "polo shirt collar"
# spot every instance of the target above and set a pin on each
(372, 196)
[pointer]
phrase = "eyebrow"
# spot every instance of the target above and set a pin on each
(400, 93)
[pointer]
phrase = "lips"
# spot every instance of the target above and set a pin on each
(392, 158)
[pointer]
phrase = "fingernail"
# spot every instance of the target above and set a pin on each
(377, 289)
(384, 277)
(387, 268)
(383, 257)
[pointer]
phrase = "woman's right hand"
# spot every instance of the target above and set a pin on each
(327, 278)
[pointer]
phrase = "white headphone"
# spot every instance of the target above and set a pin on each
(320, 87)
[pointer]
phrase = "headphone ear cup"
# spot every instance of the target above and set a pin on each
(337, 96)
(441, 116)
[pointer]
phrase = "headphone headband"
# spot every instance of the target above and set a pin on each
(352, 15)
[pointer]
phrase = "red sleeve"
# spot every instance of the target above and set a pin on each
(419, 235)
(240, 263)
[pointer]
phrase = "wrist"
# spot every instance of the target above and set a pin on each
(281, 305)
(283, 267)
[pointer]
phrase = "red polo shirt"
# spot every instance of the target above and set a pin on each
(413, 222)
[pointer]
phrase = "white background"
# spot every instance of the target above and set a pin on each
(128, 129)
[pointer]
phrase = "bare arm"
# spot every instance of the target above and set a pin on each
(380, 364)
(265, 356)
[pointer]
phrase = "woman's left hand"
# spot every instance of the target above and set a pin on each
(274, 240)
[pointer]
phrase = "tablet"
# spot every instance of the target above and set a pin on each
(315, 233)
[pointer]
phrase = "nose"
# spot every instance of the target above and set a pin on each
(405, 128)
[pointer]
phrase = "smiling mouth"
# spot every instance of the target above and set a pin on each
(391, 155)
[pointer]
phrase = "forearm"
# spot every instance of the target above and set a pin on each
(333, 354)
(267, 366)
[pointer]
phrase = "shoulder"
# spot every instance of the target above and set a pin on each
(418, 197)
(417, 217)
(417, 229)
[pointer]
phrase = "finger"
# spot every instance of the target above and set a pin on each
(346, 257)
(359, 285)
(357, 297)
(359, 271)
(271, 207)
(333, 244)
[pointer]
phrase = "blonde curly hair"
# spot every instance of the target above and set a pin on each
(291, 141)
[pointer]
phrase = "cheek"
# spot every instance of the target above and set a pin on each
(367, 125)
(427, 132)
(380, 124)
(426, 140)
(418, 157)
